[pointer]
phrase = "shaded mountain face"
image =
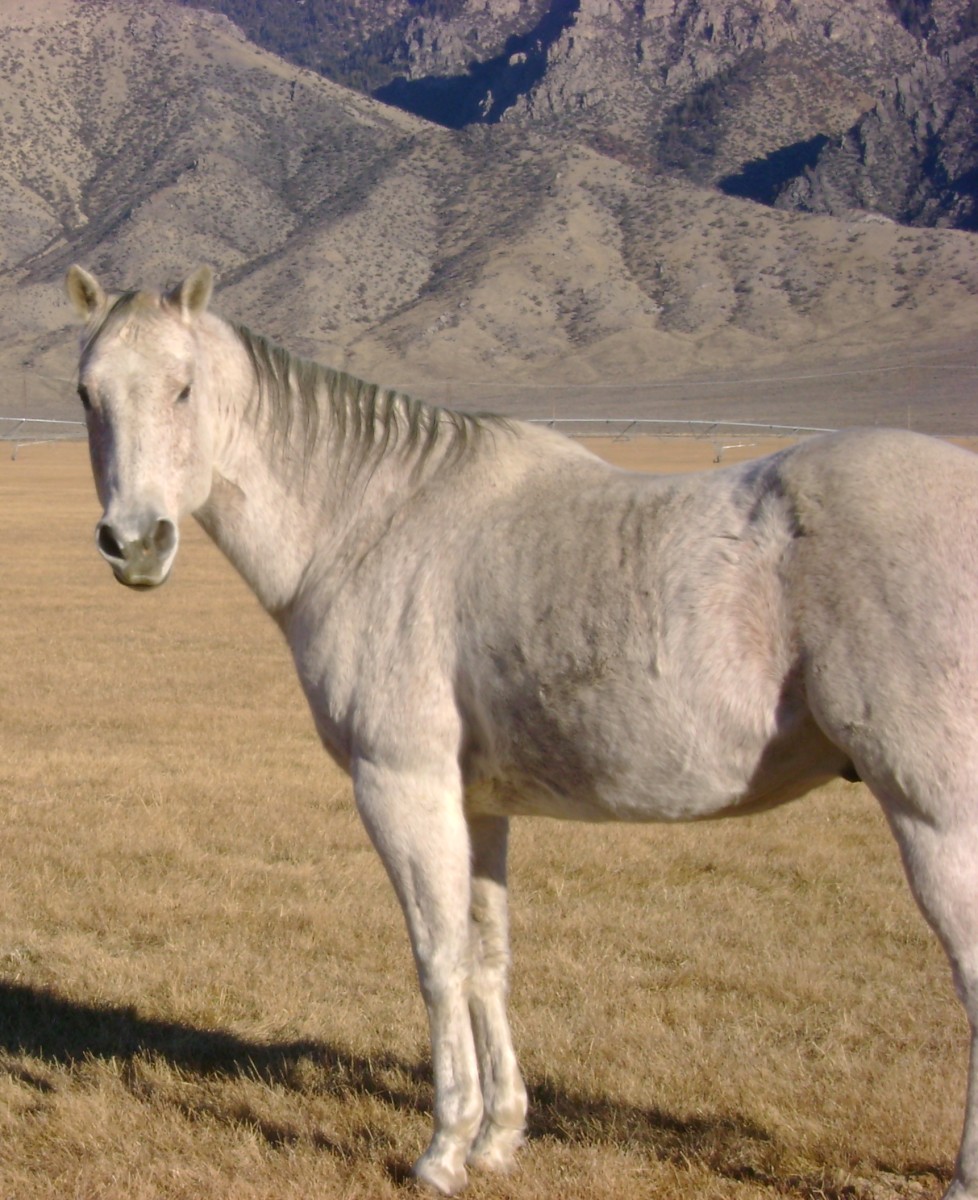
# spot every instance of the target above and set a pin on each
(486, 90)
(913, 157)
(365, 44)
(803, 103)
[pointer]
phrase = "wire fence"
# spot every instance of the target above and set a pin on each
(33, 431)
(622, 428)
(46, 429)
(952, 416)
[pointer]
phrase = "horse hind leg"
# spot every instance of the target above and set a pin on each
(940, 854)
(503, 1092)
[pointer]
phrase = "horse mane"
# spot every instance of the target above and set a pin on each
(303, 400)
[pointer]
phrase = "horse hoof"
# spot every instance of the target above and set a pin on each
(446, 1180)
(495, 1149)
(958, 1191)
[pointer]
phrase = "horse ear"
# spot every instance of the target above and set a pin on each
(85, 292)
(193, 295)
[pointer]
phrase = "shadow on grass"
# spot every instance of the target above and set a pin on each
(39, 1023)
(574, 1119)
(731, 1147)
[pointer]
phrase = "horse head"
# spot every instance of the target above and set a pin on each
(149, 418)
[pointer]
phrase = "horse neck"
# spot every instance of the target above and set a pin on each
(292, 484)
(258, 514)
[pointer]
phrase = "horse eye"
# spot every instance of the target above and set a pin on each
(84, 397)
(184, 395)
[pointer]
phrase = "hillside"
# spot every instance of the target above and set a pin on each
(521, 264)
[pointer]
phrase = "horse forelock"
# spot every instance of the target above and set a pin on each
(303, 401)
(125, 318)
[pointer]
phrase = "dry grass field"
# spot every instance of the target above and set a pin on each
(206, 990)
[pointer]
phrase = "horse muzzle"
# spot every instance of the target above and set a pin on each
(138, 558)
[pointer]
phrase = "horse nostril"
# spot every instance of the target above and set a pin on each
(141, 560)
(108, 543)
(164, 537)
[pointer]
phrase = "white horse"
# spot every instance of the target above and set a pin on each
(487, 621)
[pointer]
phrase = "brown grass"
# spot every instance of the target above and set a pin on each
(206, 990)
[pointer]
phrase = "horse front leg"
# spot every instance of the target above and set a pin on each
(416, 823)
(503, 1092)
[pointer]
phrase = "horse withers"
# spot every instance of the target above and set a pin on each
(489, 621)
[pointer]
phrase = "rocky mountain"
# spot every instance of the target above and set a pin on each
(751, 96)
(554, 256)
(913, 156)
